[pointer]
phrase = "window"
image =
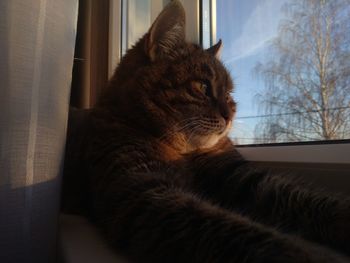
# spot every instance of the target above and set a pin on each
(128, 21)
(290, 62)
(137, 17)
(250, 31)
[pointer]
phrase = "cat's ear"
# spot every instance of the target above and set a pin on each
(167, 32)
(216, 49)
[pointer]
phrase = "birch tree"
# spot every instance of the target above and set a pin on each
(307, 76)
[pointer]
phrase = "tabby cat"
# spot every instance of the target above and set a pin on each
(164, 183)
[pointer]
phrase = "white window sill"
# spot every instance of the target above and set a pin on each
(80, 241)
(337, 153)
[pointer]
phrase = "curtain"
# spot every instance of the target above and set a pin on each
(37, 39)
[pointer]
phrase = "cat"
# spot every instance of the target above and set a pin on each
(164, 183)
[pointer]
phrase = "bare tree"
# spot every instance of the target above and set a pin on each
(307, 94)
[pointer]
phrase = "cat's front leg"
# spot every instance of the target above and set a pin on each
(295, 207)
(279, 201)
(339, 228)
(270, 198)
(152, 221)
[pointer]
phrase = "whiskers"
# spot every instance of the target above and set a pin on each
(185, 126)
(191, 127)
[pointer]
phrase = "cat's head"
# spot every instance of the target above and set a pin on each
(171, 88)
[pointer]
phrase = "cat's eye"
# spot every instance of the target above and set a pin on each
(201, 86)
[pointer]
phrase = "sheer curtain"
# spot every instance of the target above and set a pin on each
(37, 40)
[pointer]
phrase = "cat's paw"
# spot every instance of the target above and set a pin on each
(322, 254)
(315, 253)
(339, 230)
(299, 250)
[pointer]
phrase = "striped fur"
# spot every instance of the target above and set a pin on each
(155, 170)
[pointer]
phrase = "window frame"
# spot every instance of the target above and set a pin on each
(332, 152)
(115, 27)
(116, 20)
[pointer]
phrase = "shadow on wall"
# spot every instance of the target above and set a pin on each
(28, 222)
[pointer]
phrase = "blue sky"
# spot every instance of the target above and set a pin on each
(247, 29)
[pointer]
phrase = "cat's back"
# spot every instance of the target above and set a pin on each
(95, 143)
(96, 137)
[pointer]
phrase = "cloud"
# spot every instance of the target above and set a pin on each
(259, 29)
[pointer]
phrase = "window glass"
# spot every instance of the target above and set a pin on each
(136, 20)
(290, 61)
(137, 17)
